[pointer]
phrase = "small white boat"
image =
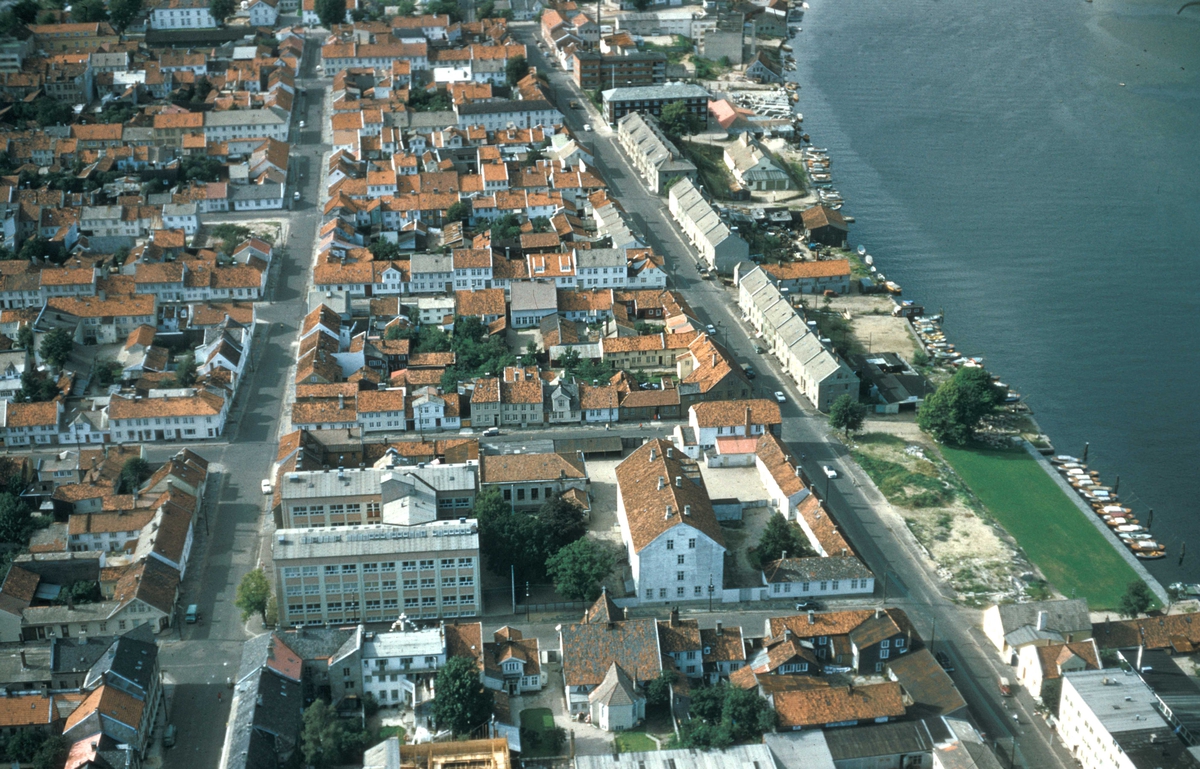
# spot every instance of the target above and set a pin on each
(1130, 528)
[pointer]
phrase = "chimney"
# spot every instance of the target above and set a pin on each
(661, 481)
(714, 360)
(747, 420)
(783, 556)
(687, 509)
(787, 634)
(341, 401)
(1041, 620)
(1138, 668)
(812, 618)
(797, 471)
(670, 453)
(679, 481)
(878, 612)
(668, 515)
(718, 627)
(24, 664)
(674, 616)
(652, 455)
(625, 613)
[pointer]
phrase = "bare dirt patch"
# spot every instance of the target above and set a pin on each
(977, 557)
(871, 323)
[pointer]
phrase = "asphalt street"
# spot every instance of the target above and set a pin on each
(199, 658)
(878, 534)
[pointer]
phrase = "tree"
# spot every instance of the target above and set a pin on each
(89, 11)
(506, 227)
(723, 715)
(331, 12)
(15, 520)
(56, 347)
(203, 168)
(1137, 599)
(530, 356)
(677, 121)
(432, 339)
(461, 703)
(445, 8)
(52, 754)
(220, 10)
(951, 412)
(658, 690)
(540, 224)
(26, 11)
(324, 738)
(134, 471)
(847, 414)
(80, 592)
(458, 212)
(779, 536)
(121, 12)
(185, 369)
(406, 7)
(384, 250)
(641, 5)
(564, 520)
(25, 336)
(515, 70)
(578, 569)
(24, 745)
(36, 387)
(569, 360)
(252, 595)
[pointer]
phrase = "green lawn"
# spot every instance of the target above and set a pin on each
(1056, 536)
(540, 721)
(634, 742)
(391, 731)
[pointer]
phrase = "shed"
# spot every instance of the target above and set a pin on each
(825, 225)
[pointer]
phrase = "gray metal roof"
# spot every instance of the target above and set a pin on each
(268, 191)
(501, 106)
(237, 117)
(665, 91)
(532, 296)
(368, 481)
(377, 540)
(735, 757)
(1120, 701)
(409, 643)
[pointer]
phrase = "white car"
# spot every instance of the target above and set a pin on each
(301, 123)
(266, 486)
(829, 471)
(780, 397)
(296, 195)
(587, 126)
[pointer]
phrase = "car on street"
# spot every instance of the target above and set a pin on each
(749, 371)
(491, 431)
(829, 471)
(711, 329)
(266, 486)
(587, 126)
(169, 736)
(809, 605)
(758, 350)
(780, 397)
(301, 123)
(574, 104)
(192, 616)
(943, 659)
(296, 195)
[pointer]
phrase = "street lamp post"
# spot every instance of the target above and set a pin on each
(710, 592)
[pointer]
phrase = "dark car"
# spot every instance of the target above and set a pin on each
(749, 372)
(943, 659)
(809, 605)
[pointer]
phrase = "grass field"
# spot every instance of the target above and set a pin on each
(1074, 556)
(634, 742)
(539, 721)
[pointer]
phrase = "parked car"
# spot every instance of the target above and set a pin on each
(809, 605)
(749, 371)
(587, 126)
(266, 486)
(296, 195)
(302, 124)
(711, 329)
(491, 431)
(169, 736)
(829, 471)
(943, 659)
(192, 616)
(574, 104)
(780, 397)
(758, 350)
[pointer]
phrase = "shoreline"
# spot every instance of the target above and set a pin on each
(1039, 454)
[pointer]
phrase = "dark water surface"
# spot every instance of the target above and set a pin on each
(998, 170)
